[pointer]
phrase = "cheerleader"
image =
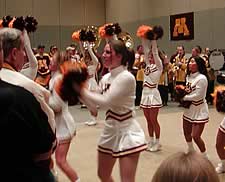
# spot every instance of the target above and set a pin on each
(197, 115)
(65, 126)
(122, 137)
(151, 101)
(92, 63)
(220, 147)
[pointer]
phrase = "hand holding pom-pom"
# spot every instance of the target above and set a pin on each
(181, 91)
(73, 73)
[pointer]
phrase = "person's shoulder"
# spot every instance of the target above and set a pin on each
(126, 75)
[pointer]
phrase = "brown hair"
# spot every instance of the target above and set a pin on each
(182, 167)
(128, 55)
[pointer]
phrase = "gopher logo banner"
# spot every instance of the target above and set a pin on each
(182, 26)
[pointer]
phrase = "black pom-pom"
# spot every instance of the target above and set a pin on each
(30, 24)
(158, 30)
(220, 101)
(6, 20)
(109, 30)
(149, 35)
(117, 28)
(19, 23)
(90, 36)
(83, 35)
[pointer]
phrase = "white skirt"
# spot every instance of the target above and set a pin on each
(65, 125)
(197, 114)
(150, 98)
(222, 126)
(92, 84)
(121, 138)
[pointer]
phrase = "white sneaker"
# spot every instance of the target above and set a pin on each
(156, 147)
(91, 122)
(220, 168)
(150, 145)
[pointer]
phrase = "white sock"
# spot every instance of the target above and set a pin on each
(190, 147)
(151, 140)
(78, 180)
(157, 141)
(205, 155)
(223, 162)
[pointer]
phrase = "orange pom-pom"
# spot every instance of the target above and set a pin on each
(1, 23)
(76, 36)
(11, 22)
(101, 31)
(141, 31)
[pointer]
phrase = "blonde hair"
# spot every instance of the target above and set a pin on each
(182, 167)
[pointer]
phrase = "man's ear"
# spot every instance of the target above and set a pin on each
(14, 53)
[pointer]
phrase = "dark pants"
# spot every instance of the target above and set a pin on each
(139, 87)
(163, 90)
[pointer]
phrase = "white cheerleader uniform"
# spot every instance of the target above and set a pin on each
(150, 94)
(222, 126)
(92, 69)
(198, 111)
(65, 125)
(122, 134)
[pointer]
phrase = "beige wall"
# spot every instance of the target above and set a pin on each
(209, 19)
(57, 19)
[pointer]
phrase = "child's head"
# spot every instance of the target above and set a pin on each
(182, 167)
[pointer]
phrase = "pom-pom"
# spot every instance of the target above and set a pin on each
(1, 21)
(158, 30)
(181, 91)
(73, 72)
(6, 20)
(83, 35)
(30, 24)
(18, 23)
(101, 31)
(109, 29)
(76, 36)
(86, 34)
(155, 33)
(219, 98)
(90, 36)
(141, 31)
(117, 28)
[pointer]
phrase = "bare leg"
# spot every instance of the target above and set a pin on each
(128, 167)
(187, 128)
(150, 126)
(61, 161)
(154, 115)
(105, 167)
(220, 144)
(196, 134)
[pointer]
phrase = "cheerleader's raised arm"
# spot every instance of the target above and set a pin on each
(31, 71)
(93, 56)
(156, 57)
